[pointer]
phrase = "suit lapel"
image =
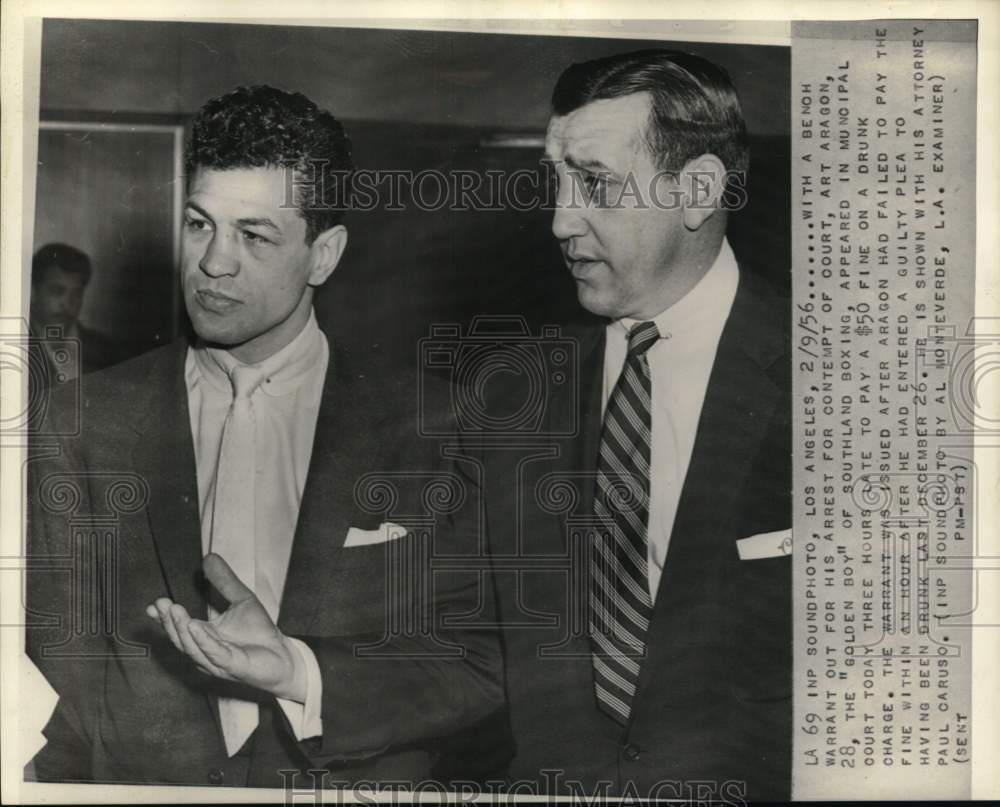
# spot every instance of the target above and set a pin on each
(163, 454)
(739, 403)
(592, 344)
(577, 406)
(573, 419)
(345, 446)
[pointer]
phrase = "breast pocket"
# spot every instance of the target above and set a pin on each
(377, 588)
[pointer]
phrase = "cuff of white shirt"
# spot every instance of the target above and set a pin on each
(305, 717)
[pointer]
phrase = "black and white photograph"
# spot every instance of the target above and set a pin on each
(500, 407)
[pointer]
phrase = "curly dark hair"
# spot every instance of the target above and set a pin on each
(264, 127)
(695, 109)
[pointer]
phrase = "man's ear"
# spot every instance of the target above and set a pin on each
(703, 181)
(325, 254)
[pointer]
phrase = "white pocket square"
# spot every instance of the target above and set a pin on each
(765, 545)
(387, 531)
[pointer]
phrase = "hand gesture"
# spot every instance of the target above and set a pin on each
(242, 644)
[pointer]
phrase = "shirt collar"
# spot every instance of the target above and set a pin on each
(281, 373)
(700, 308)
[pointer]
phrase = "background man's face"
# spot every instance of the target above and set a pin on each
(56, 299)
(245, 263)
(618, 252)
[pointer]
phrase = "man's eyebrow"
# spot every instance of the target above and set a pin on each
(259, 222)
(249, 221)
(200, 211)
(583, 164)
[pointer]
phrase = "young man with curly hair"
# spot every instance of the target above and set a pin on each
(240, 627)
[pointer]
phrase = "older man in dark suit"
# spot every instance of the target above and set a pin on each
(641, 544)
(244, 455)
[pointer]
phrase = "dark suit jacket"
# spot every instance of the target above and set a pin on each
(132, 708)
(98, 350)
(713, 699)
(90, 350)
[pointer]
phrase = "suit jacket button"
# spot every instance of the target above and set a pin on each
(216, 776)
(631, 752)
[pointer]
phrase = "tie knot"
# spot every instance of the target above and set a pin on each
(244, 380)
(641, 338)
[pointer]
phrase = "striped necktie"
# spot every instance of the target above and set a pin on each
(620, 602)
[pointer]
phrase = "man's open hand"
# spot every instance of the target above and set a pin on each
(243, 644)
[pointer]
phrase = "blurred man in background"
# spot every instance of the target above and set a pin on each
(59, 278)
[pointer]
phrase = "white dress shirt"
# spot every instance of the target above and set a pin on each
(680, 364)
(286, 405)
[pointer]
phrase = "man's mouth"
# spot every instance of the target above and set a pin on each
(580, 265)
(216, 302)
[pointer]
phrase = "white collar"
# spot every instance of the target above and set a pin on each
(282, 372)
(699, 309)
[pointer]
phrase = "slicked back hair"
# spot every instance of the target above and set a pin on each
(694, 107)
(264, 127)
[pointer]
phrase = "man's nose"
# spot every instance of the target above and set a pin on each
(569, 218)
(220, 257)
